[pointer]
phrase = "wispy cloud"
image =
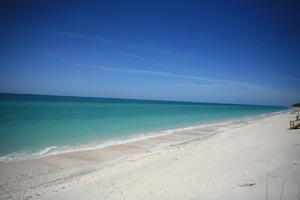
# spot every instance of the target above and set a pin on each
(200, 82)
(198, 85)
(69, 35)
(205, 81)
(155, 73)
(291, 78)
(131, 55)
(122, 44)
(208, 80)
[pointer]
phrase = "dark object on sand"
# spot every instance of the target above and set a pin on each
(296, 105)
(293, 125)
(246, 185)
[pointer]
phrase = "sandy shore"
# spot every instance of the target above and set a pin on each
(256, 160)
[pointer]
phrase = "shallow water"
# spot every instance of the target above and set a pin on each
(37, 124)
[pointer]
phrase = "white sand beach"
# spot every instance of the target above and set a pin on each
(256, 160)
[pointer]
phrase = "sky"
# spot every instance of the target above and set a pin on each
(243, 52)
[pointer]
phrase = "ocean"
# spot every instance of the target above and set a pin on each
(38, 125)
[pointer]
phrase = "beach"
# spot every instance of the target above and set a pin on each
(254, 160)
(149, 100)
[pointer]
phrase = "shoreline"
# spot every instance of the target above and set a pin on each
(53, 150)
(221, 164)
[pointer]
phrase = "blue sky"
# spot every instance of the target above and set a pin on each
(206, 51)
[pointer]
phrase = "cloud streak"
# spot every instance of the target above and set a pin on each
(216, 84)
(211, 81)
(208, 81)
(90, 38)
(291, 78)
(69, 35)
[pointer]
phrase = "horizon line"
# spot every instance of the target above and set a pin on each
(140, 99)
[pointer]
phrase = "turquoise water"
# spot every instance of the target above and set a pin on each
(33, 123)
